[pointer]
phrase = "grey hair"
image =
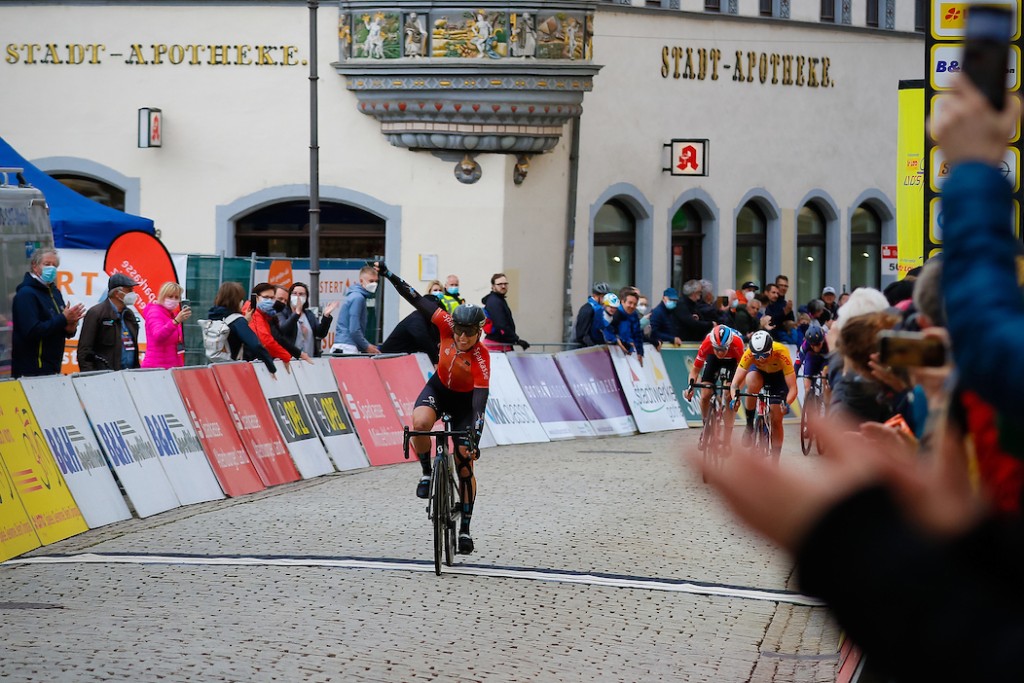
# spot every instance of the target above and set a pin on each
(928, 292)
(707, 287)
(691, 287)
(38, 254)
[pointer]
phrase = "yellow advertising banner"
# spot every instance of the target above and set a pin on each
(33, 471)
(17, 534)
(910, 179)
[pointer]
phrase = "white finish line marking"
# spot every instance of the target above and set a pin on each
(611, 581)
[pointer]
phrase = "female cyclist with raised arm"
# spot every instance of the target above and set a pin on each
(459, 388)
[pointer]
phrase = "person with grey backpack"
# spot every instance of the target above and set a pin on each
(227, 331)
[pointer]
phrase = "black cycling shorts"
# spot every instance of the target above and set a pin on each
(441, 399)
(709, 373)
(774, 381)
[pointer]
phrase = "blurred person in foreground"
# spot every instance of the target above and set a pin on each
(908, 560)
(165, 343)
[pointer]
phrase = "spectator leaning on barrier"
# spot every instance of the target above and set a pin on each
(42, 322)
(110, 330)
(229, 302)
(664, 329)
(585, 316)
(502, 335)
(263, 318)
(165, 343)
(626, 322)
(690, 324)
(350, 332)
(300, 325)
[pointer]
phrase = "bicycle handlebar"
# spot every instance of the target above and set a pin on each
(466, 433)
(763, 395)
(713, 387)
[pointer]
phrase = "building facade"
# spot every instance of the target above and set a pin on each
(534, 139)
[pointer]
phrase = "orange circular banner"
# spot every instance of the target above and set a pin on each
(143, 258)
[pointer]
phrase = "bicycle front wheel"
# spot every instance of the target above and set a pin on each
(439, 502)
(762, 443)
(710, 437)
(822, 414)
(453, 517)
(806, 437)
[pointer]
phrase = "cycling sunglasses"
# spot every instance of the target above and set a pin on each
(466, 330)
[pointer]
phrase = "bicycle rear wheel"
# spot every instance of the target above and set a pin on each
(822, 414)
(806, 437)
(439, 502)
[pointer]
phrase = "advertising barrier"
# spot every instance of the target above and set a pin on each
(166, 421)
(75, 448)
(509, 415)
(401, 378)
(216, 431)
(254, 423)
(329, 415)
(648, 390)
(33, 472)
(125, 442)
(591, 379)
(550, 398)
(17, 535)
(371, 409)
(293, 419)
(678, 360)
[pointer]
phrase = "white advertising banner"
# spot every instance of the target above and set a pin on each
(125, 442)
(648, 390)
(330, 416)
(509, 416)
(166, 420)
(74, 447)
(293, 419)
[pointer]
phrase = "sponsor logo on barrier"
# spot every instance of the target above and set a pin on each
(170, 436)
(325, 409)
(508, 413)
(72, 451)
(384, 437)
(595, 387)
(291, 418)
(124, 445)
(545, 390)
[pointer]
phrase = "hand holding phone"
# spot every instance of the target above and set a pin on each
(252, 302)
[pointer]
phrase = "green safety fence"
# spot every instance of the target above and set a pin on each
(204, 275)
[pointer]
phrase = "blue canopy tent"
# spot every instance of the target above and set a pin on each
(78, 222)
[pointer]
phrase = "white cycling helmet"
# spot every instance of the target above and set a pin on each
(610, 300)
(761, 344)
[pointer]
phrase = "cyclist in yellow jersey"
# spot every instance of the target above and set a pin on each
(766, 364)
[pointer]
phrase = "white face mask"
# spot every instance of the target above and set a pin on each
(370, 287)
(641, 309)
(130, 298)
(298, 300)
(749, 295)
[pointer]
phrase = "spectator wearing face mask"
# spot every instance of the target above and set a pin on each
(42, 322)
(451, 299)
(261, 321)
(299, 325)
(350, 332)
(110, 331)
(663, 321)
(165, 344)
(643, 309)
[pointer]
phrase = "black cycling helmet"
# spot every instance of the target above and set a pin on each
(814, 335)
(602, 288)
(468, 314)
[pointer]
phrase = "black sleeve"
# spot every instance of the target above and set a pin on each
(904, 595)
(479, 408)
(502, 326)
(251, 342)
(584, 321)
(425, 304)
(278, 335)
(290, 327)
(324, 327)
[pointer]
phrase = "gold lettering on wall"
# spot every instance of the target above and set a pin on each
(766, 68)
(157, 54)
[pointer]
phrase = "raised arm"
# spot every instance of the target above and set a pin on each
(425, 304)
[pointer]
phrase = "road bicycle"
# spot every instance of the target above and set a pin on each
(815, 409)
(444, 506)
(713, 434)
(764, 435)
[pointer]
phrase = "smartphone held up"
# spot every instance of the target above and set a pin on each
(987, 50)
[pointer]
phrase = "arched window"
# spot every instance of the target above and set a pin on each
(96, 190)
(865, 248)
(614, 245)
(283, 230)
(811, 243)
(687, 239)
(751, 244)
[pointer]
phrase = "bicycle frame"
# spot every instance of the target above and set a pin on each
(763, 436)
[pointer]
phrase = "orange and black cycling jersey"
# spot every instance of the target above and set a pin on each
(777, 361)
(460, 370)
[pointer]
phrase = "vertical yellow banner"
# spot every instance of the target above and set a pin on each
(910, 178)
(33, 471)
(17, 535)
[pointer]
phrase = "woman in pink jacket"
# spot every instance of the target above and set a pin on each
(165, 347)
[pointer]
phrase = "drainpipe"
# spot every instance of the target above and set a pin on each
(570, 227)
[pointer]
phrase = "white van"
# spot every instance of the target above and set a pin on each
(24, 227)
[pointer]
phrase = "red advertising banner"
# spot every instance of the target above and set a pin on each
(403, 381)
(255, 423)
(213, 424)
(143, 258)
(371, 409)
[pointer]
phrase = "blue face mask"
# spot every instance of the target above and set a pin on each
(454, 291)
(266, 305)
(670, 304)
(49, 274)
